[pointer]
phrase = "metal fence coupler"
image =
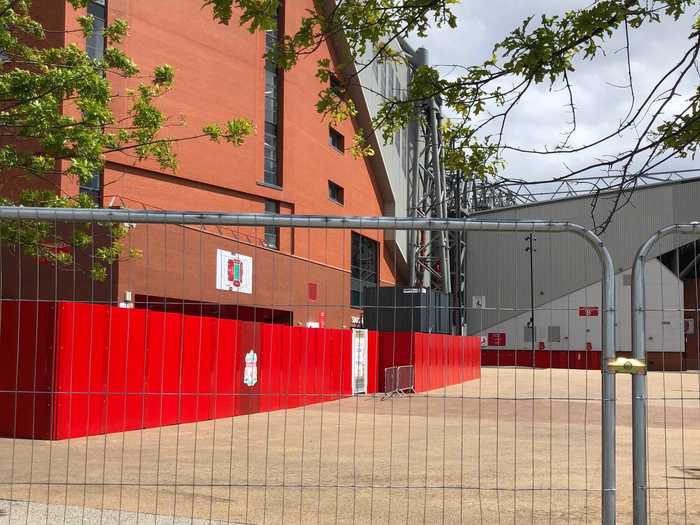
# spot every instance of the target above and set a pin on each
(627, 365)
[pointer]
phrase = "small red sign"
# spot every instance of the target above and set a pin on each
(541, 345)
(497, 339)
(313, 291)
(588, 311)
(322, 320)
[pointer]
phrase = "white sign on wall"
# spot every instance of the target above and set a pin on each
(234, 272)
(359, 361)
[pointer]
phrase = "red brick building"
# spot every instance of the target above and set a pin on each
(295, 163)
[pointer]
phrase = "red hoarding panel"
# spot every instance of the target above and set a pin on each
(27, 333)
(122, 369)
(126, 366)
(154, 362)
(574, 359)
(269, 375)
(496, 339)
(250, 338)
(81, 370)
(443, 360)
(374, 373)
(395, 349)
(227, 357)
(313, 362)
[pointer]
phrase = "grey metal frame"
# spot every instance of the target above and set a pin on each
(608, 483)
(639, 385)
(412, 387)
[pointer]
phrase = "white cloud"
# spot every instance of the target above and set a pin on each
(542, 118)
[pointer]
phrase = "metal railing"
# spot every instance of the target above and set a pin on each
(639, 380)
(608, 420)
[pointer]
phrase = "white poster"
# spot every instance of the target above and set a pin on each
(234, 272)
(250, 372)
(359, 361)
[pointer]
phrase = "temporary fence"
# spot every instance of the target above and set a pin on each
(666, 400)
(206, 367)
(399, 381)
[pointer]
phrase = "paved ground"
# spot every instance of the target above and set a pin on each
(484, 451)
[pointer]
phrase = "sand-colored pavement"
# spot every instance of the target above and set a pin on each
(517, 446)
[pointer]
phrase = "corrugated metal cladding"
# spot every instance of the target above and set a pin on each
(498, 266)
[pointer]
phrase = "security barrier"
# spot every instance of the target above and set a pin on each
(664, 396)
(218, 368)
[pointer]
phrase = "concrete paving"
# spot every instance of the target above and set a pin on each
(30, 513)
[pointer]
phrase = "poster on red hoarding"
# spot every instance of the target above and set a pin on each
(588, 311)
(497, 339)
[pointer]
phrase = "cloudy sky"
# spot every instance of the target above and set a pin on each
(543, 118)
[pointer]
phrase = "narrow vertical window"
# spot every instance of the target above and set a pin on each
(272, 91)
(95, 48)
(336, 139)
(336, 193)
(95, 44)
(272, 233)
(93, 187)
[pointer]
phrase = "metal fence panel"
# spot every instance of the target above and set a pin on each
(665, 400)
(216, 368)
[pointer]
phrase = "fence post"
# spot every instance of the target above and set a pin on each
(639, 383)
(608, 511)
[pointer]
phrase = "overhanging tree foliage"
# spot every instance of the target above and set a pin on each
(542, 50)
(57, 120)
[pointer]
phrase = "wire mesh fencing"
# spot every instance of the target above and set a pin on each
(666, 400)
(206, 368)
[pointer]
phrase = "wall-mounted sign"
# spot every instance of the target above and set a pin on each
(588, 311)
(359, 361)
(234, 272)
(250, 372)
(497, 339)
(478, 302)
(688, 326)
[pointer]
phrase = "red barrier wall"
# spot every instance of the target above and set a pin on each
(439, 360)
(70, 369)
(75, 369)
(572, 359)
(27, 335)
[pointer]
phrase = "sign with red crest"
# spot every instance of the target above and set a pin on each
(234, 272)
(588, 311)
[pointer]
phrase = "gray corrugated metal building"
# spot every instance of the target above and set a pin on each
(498, 267)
